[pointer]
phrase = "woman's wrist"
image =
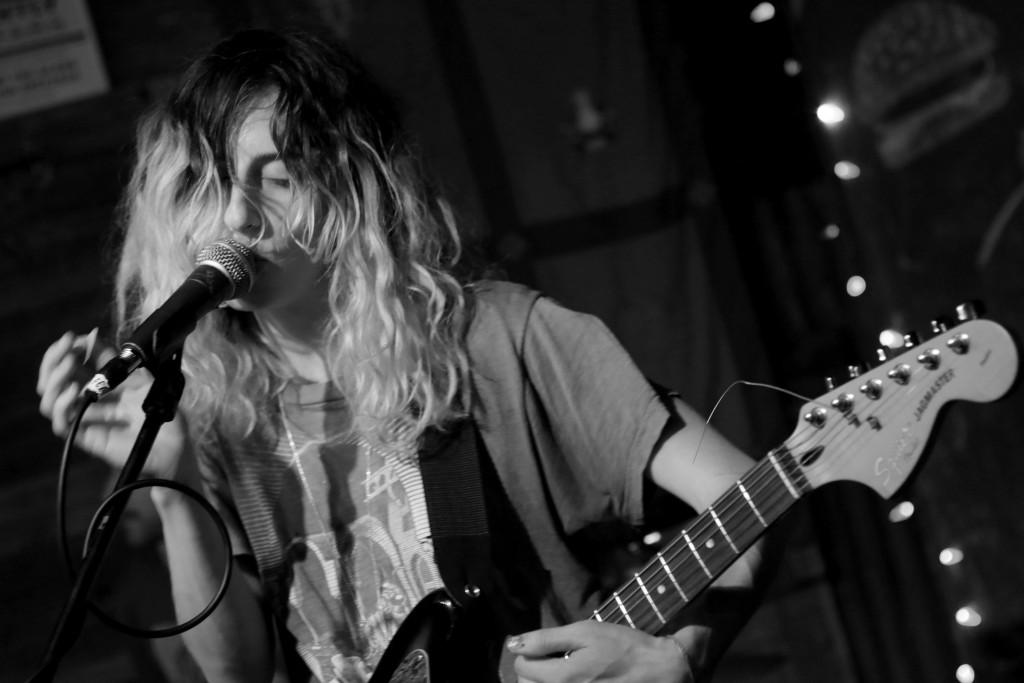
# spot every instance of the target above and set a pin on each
(677, 650)
(167, 499)
(693, 642)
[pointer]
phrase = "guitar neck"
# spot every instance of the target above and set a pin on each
(707, 546)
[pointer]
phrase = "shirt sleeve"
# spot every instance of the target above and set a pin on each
(603, 416)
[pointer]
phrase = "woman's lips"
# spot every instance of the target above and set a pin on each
(260, 261)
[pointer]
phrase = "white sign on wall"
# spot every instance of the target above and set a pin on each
(48, 55)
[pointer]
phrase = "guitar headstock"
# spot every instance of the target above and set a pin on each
(873, 428)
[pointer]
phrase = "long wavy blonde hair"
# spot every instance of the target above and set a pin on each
(387, 242)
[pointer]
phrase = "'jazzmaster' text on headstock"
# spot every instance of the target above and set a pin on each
(932, 392)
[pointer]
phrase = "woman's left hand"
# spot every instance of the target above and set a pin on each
(597, 652)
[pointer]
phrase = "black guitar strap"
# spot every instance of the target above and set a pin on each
(450, 468)
(468, 507)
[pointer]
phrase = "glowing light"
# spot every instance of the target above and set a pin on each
(951, 556)
(856, 285)
(830, 113)
(965, 673)
(890, 339)
(763, 12)
(846, 170)
(652, 538)
(968, 616)
(792, 67)
(830, 232)
(902, 512)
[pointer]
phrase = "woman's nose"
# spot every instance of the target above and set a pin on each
(241, 217)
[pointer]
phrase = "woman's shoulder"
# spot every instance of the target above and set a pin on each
(501, 309)
(502, 294)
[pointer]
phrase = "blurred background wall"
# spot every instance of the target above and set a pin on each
(665, 166)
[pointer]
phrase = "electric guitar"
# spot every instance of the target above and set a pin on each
(872, 429)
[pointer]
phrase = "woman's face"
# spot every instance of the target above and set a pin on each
(261, 195)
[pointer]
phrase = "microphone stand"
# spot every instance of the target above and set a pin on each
(159, 406)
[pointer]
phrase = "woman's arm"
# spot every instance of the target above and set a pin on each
(235, 643)
(697, 465)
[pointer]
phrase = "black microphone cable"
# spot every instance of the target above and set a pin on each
(125, 490)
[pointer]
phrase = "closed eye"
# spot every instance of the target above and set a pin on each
(275, 181)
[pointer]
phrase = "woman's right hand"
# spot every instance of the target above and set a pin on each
(109, 427)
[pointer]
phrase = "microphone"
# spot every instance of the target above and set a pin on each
(223, 271)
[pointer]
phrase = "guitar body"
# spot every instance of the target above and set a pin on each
(437, 643)
(416, 654)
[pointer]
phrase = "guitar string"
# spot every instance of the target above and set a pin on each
(685, 574)
(698, 532)
(725, 509)
(822, 437)
(692, 575)
(726, 512)
(679, 547)
(755, 484)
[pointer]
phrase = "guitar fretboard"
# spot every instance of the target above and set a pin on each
(707, 546)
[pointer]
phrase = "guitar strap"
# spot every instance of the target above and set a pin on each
(450, 468)
(466, 505)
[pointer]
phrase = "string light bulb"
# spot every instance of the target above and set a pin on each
(890, 339)
(762, 12)
(830, 113)
(856, 285)
(950, 556)
(846, 170)
(901, 512)
(968, 616)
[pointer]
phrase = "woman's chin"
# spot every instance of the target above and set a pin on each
(241, 305)
(255, 300)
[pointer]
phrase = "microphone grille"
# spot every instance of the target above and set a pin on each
(234, 259)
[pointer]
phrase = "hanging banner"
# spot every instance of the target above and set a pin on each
(48, 55)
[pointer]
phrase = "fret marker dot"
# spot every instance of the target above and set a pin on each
(710, 544)
(661, 590)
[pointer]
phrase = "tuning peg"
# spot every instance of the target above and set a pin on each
(855, 370)
(959, 344)
(900, 374)
(816, 417)
(940, 325)
(930, 358)
(830, 383)
(872, 389)
(910, 340)
(843, 403)
(882, 353)
(966, 311)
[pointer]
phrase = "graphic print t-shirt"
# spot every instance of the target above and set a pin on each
(339, 532)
